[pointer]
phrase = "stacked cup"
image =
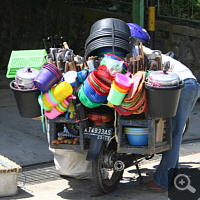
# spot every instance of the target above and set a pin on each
(59, 109)
(137, 136)
(54, 98)
(119, 89)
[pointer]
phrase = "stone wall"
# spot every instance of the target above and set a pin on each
(183, 41)
(24, 23)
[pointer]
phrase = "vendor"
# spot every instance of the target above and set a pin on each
(188, 97)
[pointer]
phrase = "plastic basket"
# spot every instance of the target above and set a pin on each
(25, 59)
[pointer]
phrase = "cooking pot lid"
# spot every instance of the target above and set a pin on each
(163, 76)
(27, 73)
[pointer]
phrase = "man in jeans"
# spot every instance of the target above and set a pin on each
(188, 97)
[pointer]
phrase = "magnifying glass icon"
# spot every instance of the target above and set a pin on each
(182, 182)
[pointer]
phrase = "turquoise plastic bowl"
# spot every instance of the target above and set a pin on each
(138, 140)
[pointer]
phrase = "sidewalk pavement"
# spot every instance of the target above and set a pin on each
(73, 189)
(24, 142)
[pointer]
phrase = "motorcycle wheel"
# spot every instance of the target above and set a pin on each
(105, 177)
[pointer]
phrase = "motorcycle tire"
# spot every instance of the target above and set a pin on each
(106, 179)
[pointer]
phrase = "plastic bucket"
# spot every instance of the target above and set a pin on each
(27, 101)
(45, 79)
(61, 91)
(115, 97)
(163, 101)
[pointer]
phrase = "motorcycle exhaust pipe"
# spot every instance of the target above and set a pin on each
(119, 165)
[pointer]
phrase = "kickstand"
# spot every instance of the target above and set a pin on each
(138, 170)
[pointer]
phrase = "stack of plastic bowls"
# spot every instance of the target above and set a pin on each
(48, 76)
(137, 136)
(108, 33)
(92, 94)
(119, 89)
(58, 109)
(85, 100)
(94, 90)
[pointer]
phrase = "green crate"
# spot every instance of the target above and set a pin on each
(25, 59)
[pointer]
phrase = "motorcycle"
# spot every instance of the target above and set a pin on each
(101, 133)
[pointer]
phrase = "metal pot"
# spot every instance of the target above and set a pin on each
(24, 78)
(163, 78)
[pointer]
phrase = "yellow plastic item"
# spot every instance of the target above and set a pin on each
(61, 91)
(119, 89)
(110, 104)
(46, 102)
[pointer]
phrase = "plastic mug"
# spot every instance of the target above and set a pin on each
(115, 97)
(123, 79)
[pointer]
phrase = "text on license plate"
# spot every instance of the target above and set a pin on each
(98, 133)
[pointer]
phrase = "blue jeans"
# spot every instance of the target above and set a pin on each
(189, 95)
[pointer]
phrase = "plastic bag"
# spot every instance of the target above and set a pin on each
(72, 163)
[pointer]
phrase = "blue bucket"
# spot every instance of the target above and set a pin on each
(137, 136)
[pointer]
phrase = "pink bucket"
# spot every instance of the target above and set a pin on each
(123, 80)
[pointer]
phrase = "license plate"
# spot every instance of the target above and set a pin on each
(99, 133)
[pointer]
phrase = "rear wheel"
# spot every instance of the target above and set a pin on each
(105, 177)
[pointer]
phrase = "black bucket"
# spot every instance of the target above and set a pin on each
(108, 32)
(108, 27)
(27, 101)
(163, 101)
(95, 45)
